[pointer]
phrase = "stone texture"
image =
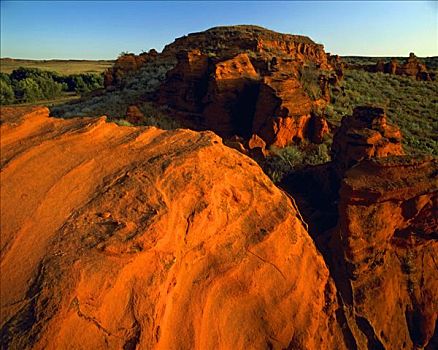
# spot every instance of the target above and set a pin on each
(365, 135)
(387, 234)
(143, 238)
(247, 87)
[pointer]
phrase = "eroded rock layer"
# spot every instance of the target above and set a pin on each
(365, 135)
(127, 237)
(387, 233)
(246, 80)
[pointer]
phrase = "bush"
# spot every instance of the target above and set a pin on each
(7, 95)
(27, 90)
(309, 78)
(31, 85)
(283, 162)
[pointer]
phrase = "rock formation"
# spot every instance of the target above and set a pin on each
(247, 80)
(378, 209)
(232, 40)
(364, 135)
(385, 243)
(124, 65)
(412, 67)
(387, 234)
(135, 237)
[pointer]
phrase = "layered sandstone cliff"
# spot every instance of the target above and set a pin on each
(246, 80)
(387, 236)
(385, 245)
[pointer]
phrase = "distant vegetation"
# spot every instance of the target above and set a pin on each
(411, 105)
(24, 85)
(63, 67)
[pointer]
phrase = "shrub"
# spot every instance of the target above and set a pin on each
(309, 78)
(27, 90)
(7, 95)
(410, 104)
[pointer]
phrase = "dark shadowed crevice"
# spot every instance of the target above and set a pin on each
(373, 341)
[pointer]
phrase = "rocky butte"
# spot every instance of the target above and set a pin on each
(243, 81)
(142, 238)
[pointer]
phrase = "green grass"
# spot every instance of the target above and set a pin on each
(411, 105)
(65, 98)
(64, 67)
(431, 62)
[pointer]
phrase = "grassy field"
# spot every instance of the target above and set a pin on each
(410, 104)
(64, 67)
(431, 62)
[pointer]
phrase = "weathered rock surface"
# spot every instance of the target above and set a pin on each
(246, 80)
(124, 65)
(129, 237)
(387, 234)
(378, 209)
(364, 135)
(232, 40)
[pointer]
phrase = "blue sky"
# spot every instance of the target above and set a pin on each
(103, 29)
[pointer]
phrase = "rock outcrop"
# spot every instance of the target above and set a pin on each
(364, 135)
(247, 80)
(385, 244)
(232, 40)
(372, 213)
(412, 67)
(387, 234)
(135, 237)
(125, 65)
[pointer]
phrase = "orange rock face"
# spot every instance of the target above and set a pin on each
(282, 111)
(232, 40)
(135, 237)
(234, 86)
(231, 92)
(365, 135)
(125, 65)
(388, 233)
(186, 83)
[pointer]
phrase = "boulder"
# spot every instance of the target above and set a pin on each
(364, 135)
(150, 239)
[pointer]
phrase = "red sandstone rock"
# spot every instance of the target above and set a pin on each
(134, 115)
(143, 238)
(225, 90)
(256, 142)
(231, 90)
(282, 110)
(126, 64)
(365, 135)
(388, 235)
(185, 84)
(411, 68)
(233, 40)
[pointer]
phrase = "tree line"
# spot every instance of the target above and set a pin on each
(32, 84)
